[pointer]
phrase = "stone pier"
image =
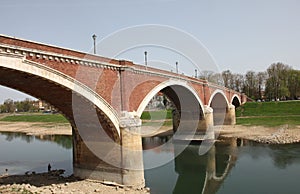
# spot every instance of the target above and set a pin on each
(230, 115)
(196, 126)
(120, 162)
(132, 151)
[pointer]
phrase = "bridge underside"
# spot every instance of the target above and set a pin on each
(94, 136)
(98, 153)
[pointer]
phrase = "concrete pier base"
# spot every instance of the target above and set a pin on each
(196, 128)
(132, 151)
(230, 115)
(120, 162)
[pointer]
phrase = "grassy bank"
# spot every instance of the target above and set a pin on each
(269, 113)
(252, 113)
(58, 118)
(157, 115)
(48, 118)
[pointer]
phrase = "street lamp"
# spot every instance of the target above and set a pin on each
(176, 67)
(94, 38)
(196, 73)
(145, 59)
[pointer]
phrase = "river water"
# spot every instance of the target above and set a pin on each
(231, 166)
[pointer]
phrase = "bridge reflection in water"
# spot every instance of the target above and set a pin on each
(190, 172)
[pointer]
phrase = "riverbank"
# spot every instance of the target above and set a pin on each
(43, 128)
(36, 128)
(284, 134)
(54, 182)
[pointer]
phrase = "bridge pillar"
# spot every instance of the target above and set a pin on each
(132, 150)
(207, 121)
(230, 115)
(123, 160)
(204, 126)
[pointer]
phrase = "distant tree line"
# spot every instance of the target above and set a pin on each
(278, 82)
(27, 105)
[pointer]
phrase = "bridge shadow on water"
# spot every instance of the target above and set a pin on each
(190, 172)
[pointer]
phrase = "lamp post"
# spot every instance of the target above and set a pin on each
(176, 67)
(146, 59)
(196, 73)
(94, 38)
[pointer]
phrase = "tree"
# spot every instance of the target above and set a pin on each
(238, 82)
(261, 79)
(294, 83)
(227, 78)
(277, 81)
(9, 105)
(211, 77)
(251, 85)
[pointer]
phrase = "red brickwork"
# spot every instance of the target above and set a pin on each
(124, 88)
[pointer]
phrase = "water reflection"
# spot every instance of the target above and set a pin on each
(282, 156)
(230, 166)
(21, 153)
(204, 173)
(63, 140)
(191, 172)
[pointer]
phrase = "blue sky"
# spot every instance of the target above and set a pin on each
(240, 35)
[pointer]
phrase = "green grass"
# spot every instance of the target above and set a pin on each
(269, 109)
(157, 115)
(47, 118)
(269, 113)
(269, 121)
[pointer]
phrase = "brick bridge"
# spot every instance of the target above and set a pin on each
(103, 100)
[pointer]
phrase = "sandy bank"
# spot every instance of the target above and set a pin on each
(53, 182)
(273, 135)
(36, 128)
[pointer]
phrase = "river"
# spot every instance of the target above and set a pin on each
(231, 166)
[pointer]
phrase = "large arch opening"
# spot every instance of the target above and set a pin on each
(219, 104)
(61, 91)
(176, 106)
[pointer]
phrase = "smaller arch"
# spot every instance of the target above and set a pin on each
(163, 85)
(235, 100)
(219, 103)
(218, 91)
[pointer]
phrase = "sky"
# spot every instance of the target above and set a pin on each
(240, 35)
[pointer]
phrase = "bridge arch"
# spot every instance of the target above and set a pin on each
(165, 85)
(27, 72)
(219, 103)
(217, 93)
(235, 100)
